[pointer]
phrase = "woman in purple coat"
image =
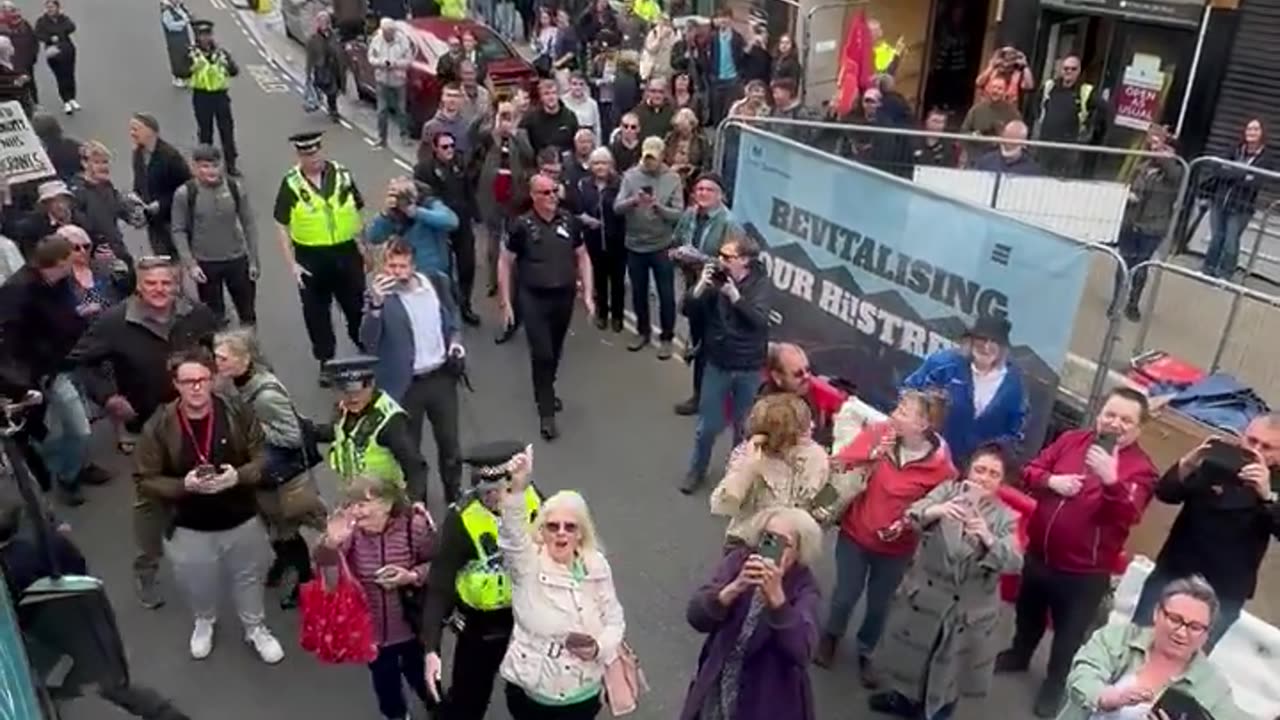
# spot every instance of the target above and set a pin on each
(759, 611)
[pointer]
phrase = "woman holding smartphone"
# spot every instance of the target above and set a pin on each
(387, 545)
(759, 611)
(940, 644)
(904, 459)
(569, 624)
(780, 466)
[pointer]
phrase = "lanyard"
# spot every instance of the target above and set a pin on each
(202, 447)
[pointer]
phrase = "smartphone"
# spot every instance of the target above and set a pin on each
(205, 472)
(578, 640)
(1106, 441)
(1178, 705)
(385, 571)
(826, 497)
(771, 547)
(647, 189)
(719, 276)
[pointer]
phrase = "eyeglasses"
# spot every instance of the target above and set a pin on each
(627, 126)
(194, 382)
(554, 527)
(445, 146)
(1195, 627)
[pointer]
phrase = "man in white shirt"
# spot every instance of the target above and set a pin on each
(411, 325)
(390, 55)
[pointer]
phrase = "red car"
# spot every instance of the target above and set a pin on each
(429, 36)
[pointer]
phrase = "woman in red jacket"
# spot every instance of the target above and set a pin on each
(904, 459)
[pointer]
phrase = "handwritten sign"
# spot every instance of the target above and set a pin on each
(22, 155)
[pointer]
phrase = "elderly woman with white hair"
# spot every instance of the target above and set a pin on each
(759, 611)
(568, 622)
(15, 84)
(1126, 671)
(604, 231)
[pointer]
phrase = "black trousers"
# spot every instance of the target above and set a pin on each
(723, 94)
(547, 314)
(211, 108)
(63, 68)
(523, 707)
(434, 396)
(1071, 599)
(697, 331)
(160, 238)
(463, 243)
(234, 276)
(609, 276)
(337, 273)
(395, 665)
(476, 658)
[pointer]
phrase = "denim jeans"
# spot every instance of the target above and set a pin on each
(1225, 228)
(718, 385)
(65, 448)
(639, 265)
(391, 102)
(1137, 246)
(856, 569)
(507, 21)
(1143, 614)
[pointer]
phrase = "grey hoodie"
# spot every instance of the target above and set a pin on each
(650, 229)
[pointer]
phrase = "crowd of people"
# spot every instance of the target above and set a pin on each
(571, 194)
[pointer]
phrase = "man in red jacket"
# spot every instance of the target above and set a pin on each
(1091, 487)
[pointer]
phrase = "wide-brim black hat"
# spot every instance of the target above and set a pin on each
(991, 328)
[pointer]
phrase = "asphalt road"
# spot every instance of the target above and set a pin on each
(621, 445)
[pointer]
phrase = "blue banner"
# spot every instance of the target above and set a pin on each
(871, 274)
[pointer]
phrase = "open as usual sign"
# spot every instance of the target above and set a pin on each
(22, 155)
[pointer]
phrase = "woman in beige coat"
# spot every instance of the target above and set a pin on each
(568, 621)
(941, 633)
(780, 466)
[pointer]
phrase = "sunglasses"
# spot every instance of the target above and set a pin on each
(555, 527)
(194, 382)
(445, 146)
(801, 373)
(626, 126)
(80, 247)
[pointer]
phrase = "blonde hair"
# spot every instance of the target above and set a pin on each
(686, 115)
(573, 502)
(808, 534)
(783, 418)
(932, 404)
(241, 342)
(91, 149)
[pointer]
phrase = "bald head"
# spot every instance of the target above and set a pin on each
(789, 368)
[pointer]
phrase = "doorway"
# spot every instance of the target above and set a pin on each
(955, 54)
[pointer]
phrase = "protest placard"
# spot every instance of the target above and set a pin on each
(22, 155)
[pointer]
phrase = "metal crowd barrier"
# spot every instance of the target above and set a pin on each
(1096, 332)
(1201, 201)
(1250, 312)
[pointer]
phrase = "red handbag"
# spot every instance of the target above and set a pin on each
(336, 624)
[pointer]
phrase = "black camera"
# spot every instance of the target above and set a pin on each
(719, 276)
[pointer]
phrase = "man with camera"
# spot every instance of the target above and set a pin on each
(732, 295)
(1228, 490)
(413, 213)
(411, 325)
(1091, 486)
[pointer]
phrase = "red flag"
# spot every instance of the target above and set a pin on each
(857, 67)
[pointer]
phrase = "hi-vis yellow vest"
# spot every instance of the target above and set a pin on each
(359, 453)
(453, 9)
(483, 583)
(318, 221)
(884, 55)
(647, 10)
(206, 74)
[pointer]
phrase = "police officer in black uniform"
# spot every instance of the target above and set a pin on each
(545, 246)
(469, 587)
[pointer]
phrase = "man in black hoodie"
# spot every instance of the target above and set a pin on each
(64, 152)
(446, 174)
(158, 171)
(734, 297)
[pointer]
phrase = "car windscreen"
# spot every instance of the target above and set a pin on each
(490, 45)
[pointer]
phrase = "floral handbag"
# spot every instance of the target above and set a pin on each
(336, 625)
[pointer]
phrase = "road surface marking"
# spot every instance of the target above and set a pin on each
(404, 164)
(370, 141)
(268, 80)
(218, 4)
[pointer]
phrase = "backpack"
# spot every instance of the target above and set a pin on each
(192, 187)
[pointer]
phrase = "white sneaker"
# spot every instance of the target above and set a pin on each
(68, 108)
(202, 638)
(179, 82)
(75, 105)
(266, 644)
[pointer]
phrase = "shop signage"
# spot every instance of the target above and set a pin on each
(1181, 12)
(1138, 97)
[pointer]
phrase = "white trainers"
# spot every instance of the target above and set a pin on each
(68, 108)
(202, 639)
(75, 104)
(265, 643)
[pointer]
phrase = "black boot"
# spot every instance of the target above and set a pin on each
(279, 564)
(469, 316)
(547, 428)
(298, 558)
(506, 335)
(688, 407)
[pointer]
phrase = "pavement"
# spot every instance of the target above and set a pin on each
(621, 444)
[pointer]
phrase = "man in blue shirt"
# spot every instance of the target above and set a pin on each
(727, 49)
(421, 219)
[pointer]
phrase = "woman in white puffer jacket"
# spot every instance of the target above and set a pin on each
(568, 621)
